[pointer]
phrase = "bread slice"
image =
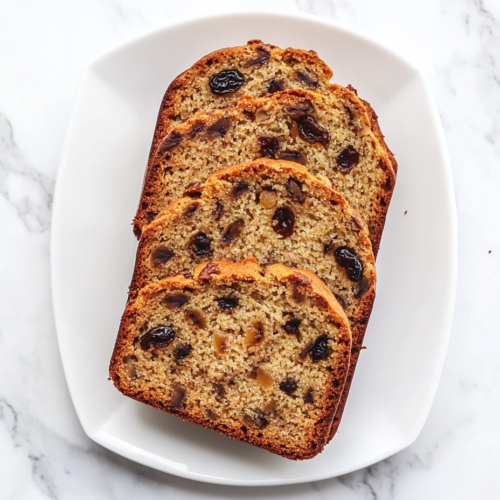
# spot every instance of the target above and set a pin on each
(258, 355)
(331, 135)
(234, 215)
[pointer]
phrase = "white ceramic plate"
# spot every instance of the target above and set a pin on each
(93, 251)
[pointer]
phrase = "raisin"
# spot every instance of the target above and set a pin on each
(239, 190)
(296, 110)
(275, 86)
(347, 160)
(262, 57)
(193, 190)
(292, 326)
(233, 232)
(195, 129)
(310, 130)
(269, 146)
(294, 156)
(212, 415)
(183, 351)
(295, 189)
(219, 390)
(259, 421)
(270, 406)
(320, 349)
(297, 295)
(151, 216)
(219, 210)
(226, 82)
(170, 142)
(310, 82)
(218, 129)
(200, 244)
(341, 301)
(137, 231)
(267, 198)
(306, 350)
(190, 210)
(157, 338)
(283, 221)
(160, 256)
(363, 287)
(350, 261)
(196, 319)
(177, 398)
(228, 303)
(175, 301)
(288, 386)
(308, 397)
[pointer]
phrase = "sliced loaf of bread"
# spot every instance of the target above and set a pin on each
(260, 355)
(329, 135)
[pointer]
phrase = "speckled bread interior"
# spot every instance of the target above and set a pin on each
(283, 125)
(258, 355)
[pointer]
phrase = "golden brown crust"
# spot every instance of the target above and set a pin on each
(231, 272)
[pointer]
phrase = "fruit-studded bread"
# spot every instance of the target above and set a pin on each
(258, 355)
(330, 135)
(275, 211)
(222, 77)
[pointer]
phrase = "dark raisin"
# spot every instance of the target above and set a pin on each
(306, 350)
(177, 398)
(363, 287)
(283, 221)
(170, 142)
(275, 86)
(320, 349)
(349, 260)
(249, 115)
(190, 209)
(200, 244)
(262, 57)
(311, 131)
(239, 190)
(292, 326)
(307, 79)
(294, 156)
(219, 210)
(295, 189)
(175, 301)
(183, 351)
(158, 337)
(269, 146)
(302, 108)
(233, 232)
(308, 397)
(195, 129)
(218, 129)
(328, 247)
(259, 421)
(228, 303)
(341, 301)
(289, 386)
(196, 319)
(347, 160)
(226, 82)
(160, 256)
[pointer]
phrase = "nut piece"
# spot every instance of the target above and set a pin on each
(129, 362)
(218, 129)
(262, 115)
(211, 414)
(297, 295)
(270, 406)
(177, 398)
(259, 421)
(262, 57)
(294, 156)
(254, 335)
(170, 142)
(157, 338)
(220, 343)
(275, 86)
(264, 379)
(310, 82)
(268, 198)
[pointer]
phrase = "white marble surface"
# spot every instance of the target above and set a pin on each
(45, 46)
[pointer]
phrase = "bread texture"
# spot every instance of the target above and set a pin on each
(331, 135)
(260, 355)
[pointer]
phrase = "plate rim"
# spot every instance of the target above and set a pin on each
(449, 196)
